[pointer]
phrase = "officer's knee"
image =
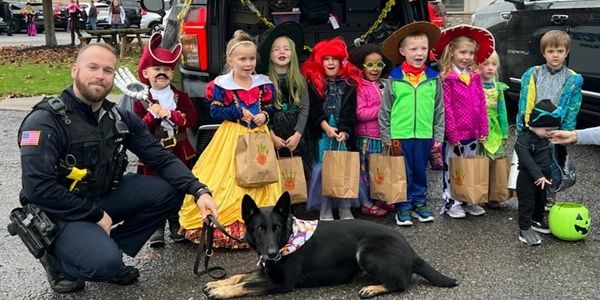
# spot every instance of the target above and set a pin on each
(103, 267)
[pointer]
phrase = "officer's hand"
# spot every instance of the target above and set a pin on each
(206, 203)
(105, 223)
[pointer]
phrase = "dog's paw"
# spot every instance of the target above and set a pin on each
(372, 291)
(224, 292)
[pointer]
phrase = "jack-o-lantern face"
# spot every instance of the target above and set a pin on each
(580, 225)
(569, 221)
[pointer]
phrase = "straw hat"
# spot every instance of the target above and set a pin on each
(392, 43)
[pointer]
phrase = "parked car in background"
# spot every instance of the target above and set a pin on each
(209, 24)
(2, 26)
(133, 10)
(20, 21)
(153, 20)
(518, 27)
(61, 16)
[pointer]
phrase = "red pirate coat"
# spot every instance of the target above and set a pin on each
(184, 116)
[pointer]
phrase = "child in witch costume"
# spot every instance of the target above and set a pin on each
(278, 50)
(460, 50)
(155, 69)
(412, 112)
(243, 101)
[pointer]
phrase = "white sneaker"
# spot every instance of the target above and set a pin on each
(474, 210)
(326, 215)
(456, 212)
(345, 213)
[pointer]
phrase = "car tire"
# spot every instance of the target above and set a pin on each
(155, 27)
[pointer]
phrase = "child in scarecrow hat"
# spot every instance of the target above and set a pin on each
(243, 102)
(460, 49)
(533, 149)
(278, 58)
(412, 112)
(493, 146)
(332, 83)
(155, 69)
(554, 81)
(370, 60)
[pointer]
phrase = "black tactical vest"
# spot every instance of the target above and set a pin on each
(99, 149)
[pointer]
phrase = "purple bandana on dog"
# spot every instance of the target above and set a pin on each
(302, 230)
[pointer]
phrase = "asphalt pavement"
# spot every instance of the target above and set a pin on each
(483, 252)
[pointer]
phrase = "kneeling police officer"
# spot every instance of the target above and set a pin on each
(73, 159)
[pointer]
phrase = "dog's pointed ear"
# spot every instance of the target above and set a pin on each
(283, 205)
(249, 208)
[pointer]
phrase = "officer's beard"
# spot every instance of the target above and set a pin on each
(92, 94)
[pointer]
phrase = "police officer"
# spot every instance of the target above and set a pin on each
(89, 135)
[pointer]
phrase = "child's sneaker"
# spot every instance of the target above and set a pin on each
(474, 210)
(529, 237)
(423, 214)
(456, 212)
(540, 227)
(403, 218)
(345, 213)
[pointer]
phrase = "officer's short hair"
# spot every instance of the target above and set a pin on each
(101, 45)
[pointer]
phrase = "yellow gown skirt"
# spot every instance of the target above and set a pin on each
(216, 169)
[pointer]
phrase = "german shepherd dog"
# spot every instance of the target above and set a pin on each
(335, 254)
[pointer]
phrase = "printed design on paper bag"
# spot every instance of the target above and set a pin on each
(289, 179)
(380, 175)
(458, 176)
(261, 156)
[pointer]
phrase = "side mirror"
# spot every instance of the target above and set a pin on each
(519, 4)
(155, 6)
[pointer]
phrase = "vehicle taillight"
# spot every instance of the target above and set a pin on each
(193, 39)
(143, 12)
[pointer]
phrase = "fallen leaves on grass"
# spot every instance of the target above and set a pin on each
(37, 55)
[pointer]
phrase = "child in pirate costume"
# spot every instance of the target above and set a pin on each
(155, 69)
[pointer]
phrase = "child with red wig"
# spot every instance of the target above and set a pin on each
(332, 83)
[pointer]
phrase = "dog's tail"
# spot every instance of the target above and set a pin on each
(422, 268)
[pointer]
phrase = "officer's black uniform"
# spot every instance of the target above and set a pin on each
(91, 141)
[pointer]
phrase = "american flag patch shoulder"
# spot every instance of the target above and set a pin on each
(30, 138)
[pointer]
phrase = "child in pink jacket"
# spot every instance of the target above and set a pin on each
(462, 48)
(373, 65)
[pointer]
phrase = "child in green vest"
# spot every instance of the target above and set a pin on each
(412, 112)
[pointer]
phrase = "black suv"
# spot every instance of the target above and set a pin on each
(133, 11)
(209, 24)
(518, 27)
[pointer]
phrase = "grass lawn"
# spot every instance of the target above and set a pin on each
(27, 72)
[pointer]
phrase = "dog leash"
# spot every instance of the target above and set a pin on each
(206, 248)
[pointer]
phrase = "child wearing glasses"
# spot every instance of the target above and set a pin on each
(411, 117)
(370, 59)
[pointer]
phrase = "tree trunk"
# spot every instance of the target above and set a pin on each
(49, 24)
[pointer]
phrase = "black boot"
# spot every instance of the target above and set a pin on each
(174, 230)
(127, 276)
(57, 280)
(158, 238)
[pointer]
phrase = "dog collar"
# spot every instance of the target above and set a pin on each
(302, 230)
